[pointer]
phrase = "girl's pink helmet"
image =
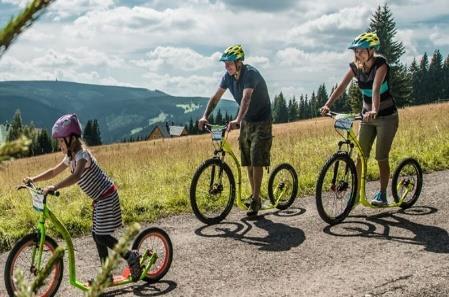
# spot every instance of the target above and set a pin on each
(66, 126)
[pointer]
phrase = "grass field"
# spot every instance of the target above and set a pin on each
(154, 177)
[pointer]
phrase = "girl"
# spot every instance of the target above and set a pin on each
(94, 182)
(380, 116)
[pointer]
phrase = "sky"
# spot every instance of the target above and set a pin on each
(175, 45)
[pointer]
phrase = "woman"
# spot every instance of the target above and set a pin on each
(380, 116)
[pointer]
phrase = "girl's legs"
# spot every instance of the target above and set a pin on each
(103, 242)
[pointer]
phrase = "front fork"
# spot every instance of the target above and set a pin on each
(212, 183)
(350, 146)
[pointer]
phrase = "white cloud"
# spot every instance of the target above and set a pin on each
(181, 59)
(74, 8)
(175, 45)
(20, 3)
(439, 38)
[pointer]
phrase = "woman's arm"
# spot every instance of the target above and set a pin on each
(338, 91)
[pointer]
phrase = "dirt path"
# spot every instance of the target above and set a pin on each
(294, 253)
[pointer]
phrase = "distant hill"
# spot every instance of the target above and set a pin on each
(121, 111)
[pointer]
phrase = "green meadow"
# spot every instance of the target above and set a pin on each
(154, 177)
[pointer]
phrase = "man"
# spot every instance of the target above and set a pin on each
(254, 117)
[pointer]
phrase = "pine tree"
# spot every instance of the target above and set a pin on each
(313, 106)
(44, 143)
(383, 24)
(293, 109)
(422, 94)
(307, 107)
(96, 134)
(446, 78)
(322, 95)
(219, 118)
(87, 134)
(191, 127)
(280, 110)
(416, 83)
(302, 108)
(16, 127)
(435, 86)
(196, 129)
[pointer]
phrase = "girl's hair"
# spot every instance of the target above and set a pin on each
(77, 142)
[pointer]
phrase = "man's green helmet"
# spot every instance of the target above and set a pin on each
(366, 40)
(233, 53)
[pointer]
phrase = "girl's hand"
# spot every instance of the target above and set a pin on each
(27, 180)
(48, 189)
(369, 115)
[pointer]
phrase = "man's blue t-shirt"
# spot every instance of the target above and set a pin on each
(260, 105)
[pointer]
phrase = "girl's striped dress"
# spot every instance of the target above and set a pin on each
(107, 215)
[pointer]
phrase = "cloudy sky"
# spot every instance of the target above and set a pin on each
(174, 45)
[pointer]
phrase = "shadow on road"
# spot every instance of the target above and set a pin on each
(433, 238)
(155, 289)
(280, 237)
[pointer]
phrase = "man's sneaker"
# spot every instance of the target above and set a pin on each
(134, 264)
(254, 207)
(380, 199)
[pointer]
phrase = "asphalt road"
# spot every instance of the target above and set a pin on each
(374, 252)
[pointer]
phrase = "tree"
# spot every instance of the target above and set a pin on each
(306, 107)
(416, 82)
(219, 118)
(383, 24)
(191, 127)
(96, 134)
(446, 78)
(15, 127)
(322, 95)
(435, 86)
(313, 111)
(44, 143)
(293, 109)
(87, 133)
(280, 110)
(302, 107)
(422, 95)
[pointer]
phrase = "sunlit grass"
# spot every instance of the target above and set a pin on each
(154, 177)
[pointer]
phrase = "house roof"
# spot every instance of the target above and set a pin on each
(163, 130)
(176, 130)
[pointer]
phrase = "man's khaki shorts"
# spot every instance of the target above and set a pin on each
(255, 143)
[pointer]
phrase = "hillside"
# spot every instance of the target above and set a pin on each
(121, 111)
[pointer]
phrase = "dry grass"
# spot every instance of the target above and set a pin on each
(154, 176)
